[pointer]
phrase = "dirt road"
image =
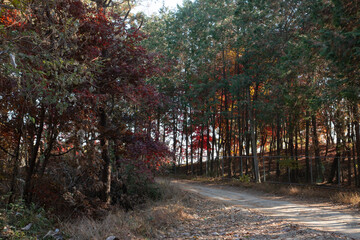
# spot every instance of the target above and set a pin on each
(318, 216)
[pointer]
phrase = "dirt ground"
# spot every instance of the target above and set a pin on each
(233, 214)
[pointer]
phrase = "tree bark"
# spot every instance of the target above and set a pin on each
(104, 144)
(31, 169)
(191, 146)
(357, 137)
(174, 141)
(208, 148)
(318, 163)
(348, 152)
(201, 150)
(253, 141)
(278, 146)
(186, 141)
(213, 143)
(353, 150)
(291, 170)
(15, 172)
(307, 140)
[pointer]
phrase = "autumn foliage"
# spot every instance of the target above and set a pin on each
(74, 102)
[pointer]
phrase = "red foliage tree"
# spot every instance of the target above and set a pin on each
(75, 78)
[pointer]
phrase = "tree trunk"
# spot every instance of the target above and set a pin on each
(278, 146)
(335, 164)
(291, 170)
(228, 139)
(318, 163)
(164, 133)
(208, 148)
(253, 140)
(180, 149)
(241, 139)
(157, 133)
(247, 147)
(47, 152)
(357, 137)
(271, 150)
(104, 144)
(186, 141)
(220, 135)
(174, 142)
(201, 150)
(191, 146)
(15, 172)
(307, 140)
(32, 161)
(348, 152)
(354, 155)
(335, 167)
(296, 154)
(213, 143)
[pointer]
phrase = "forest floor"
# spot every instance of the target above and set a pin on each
(225, 212)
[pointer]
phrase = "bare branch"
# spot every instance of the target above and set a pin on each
(128, 12)
(107, 3)
(6, 6)
(6, 151)
(142, 21)
(60, 154)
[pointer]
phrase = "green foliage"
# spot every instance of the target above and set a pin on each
(153, 191)
(244, 178)
(16, 216)
(140, 186)
(289, 163)
(73, 77)
(72, 74)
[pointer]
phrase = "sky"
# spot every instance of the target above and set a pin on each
(153, 6)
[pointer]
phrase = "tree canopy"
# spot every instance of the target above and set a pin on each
(95, 99)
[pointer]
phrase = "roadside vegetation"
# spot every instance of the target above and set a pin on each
(18, 221)
(146, 220)
(96, 100)
(307, 193)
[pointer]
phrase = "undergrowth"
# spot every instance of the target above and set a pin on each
(20, 222)
(352, 198)
(164, 207)
(160, 209)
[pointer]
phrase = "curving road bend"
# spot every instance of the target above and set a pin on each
(316, 216)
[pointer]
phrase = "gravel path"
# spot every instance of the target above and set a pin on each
(232, 214)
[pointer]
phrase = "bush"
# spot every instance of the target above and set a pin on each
(244, 178)
(20, 222)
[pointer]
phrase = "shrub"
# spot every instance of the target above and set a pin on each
(244, 178)
(18, 221)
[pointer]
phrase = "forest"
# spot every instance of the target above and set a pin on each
(262, 88)
(97, 100)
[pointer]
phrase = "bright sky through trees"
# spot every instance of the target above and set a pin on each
(150, 7)
(92, 105)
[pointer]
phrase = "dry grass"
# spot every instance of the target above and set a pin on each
(352, 198)
(308, 192)
(144, 222)
(153, 219)
(113, 224)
